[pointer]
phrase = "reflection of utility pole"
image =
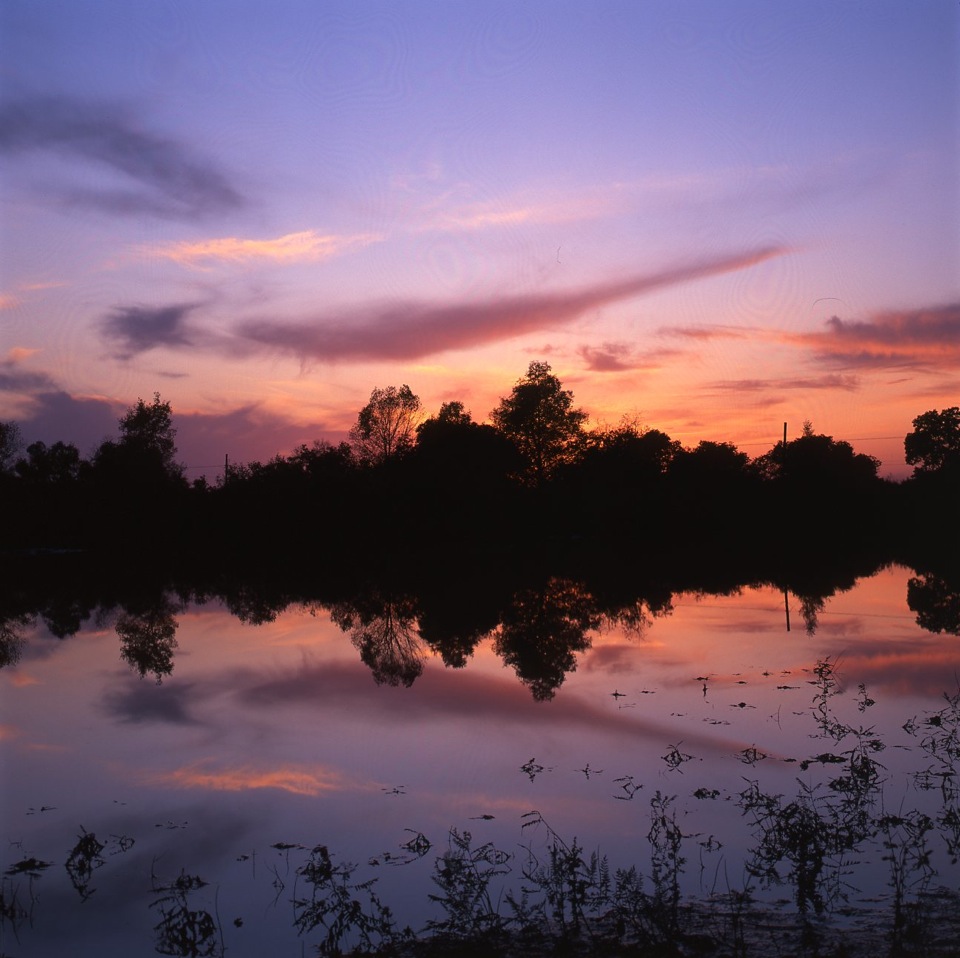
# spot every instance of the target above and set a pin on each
(226, 467)
(786, 608)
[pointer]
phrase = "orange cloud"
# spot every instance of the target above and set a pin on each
(290, 248)
(7, 301)
(298, 781)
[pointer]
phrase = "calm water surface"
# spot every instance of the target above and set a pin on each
(268, 740)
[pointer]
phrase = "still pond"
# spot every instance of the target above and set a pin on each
(216, 791)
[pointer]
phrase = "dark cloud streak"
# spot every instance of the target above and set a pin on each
(897, 339)
(138, 329)
(168, 180)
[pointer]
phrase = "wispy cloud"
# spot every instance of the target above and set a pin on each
(8, 301)
(850, 383)
(922, 338)
(703, 333)
(290, 248)
(415, 330)
(137, 329)
(155, 175)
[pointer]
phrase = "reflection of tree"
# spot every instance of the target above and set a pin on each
(64, 616)
(455, 613)
(636, 616)
(148, 638)
(11, 639)
(810, 608)
(936, 602)
(542, 631)
(382, 629)
(253, 605)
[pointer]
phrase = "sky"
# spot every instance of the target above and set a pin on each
(709, 217)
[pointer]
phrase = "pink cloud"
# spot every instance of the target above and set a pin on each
(414, 330)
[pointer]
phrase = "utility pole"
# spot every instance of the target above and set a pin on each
(226, 467)
(784, 435)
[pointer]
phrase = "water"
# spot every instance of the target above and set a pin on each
(244, 747)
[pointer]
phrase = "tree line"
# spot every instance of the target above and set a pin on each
(534, 477)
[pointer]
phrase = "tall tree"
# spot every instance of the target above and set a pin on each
(539, 417)
(934, 444)
(10, 443)
(147, 430)
(386, 426)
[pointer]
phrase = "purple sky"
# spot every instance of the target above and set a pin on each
(713, 217)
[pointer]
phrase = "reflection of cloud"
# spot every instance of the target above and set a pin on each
(452, 696)
(829, 381)
(136, 704)
(918, 668)
(298, 780)
(415, 330)
(137, 329)
(156, 175)
(293, 247)
(912, 338)
(8, 301)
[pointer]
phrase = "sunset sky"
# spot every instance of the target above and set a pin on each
(711, 216)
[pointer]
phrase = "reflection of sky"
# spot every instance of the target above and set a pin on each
(279, 734)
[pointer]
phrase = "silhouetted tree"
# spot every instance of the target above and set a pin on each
(386, 426)
(814, 459)
(709, 463)
(322, 461)
(538, 416)
(460, 476)
(10, 444)
(60, 463)
(639, 454)
(934, 444)
(148, 430)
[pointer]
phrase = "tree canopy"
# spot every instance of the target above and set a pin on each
(539, 417)
(934, 444)
(386, 426)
